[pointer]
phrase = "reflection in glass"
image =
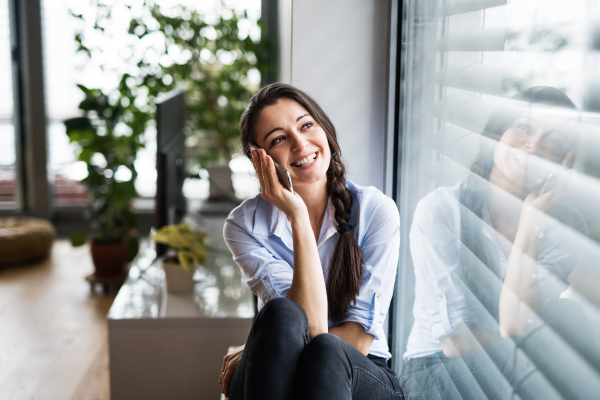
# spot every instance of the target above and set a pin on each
(492, 255)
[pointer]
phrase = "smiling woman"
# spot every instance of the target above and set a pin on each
(321, 260)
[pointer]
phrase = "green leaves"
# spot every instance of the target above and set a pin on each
(215, 72)
(104, 152)
(205, 56)
(189, 245)
(78, 239)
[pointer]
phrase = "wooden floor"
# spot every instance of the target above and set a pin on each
(53, 330)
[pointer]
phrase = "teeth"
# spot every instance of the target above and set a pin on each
(306, 160)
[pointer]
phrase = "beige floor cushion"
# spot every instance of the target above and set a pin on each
(24, 239)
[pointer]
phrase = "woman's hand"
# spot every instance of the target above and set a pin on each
(521, 295)
(272, 190)
(230, 364)
(547, 201)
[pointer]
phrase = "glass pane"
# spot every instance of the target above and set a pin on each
(61, 75)
(7, 131)
(64, 68)
(499, 192)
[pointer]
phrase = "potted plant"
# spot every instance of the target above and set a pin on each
(186, 251)
(209, 56)
(107, 138)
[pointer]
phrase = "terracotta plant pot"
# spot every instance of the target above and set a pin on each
(178, 280)
(109, 258)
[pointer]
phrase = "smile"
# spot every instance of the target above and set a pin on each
(519, 157)
(306, 160)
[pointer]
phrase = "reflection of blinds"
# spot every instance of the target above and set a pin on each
(463, 6)
(479, 39)
(474, 77)
(465, 112)
(476, 55)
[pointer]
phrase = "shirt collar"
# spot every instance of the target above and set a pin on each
(329, 226)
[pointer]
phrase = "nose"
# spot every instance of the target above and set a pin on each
(532, 145)
(298, 141)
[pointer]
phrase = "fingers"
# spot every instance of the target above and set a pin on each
(222, 369)
(260, 161)
(273, 173)
(257, 166)
(265, 168)
(264, 165)
(271, 177)
(223, 375)
(226, 380)
(569, 160)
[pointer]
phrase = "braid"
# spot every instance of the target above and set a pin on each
(345, 273)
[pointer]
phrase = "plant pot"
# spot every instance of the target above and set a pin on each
(109, 258)
(178, 280)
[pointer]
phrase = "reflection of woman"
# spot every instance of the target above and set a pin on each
(485, 265)
(322, 260)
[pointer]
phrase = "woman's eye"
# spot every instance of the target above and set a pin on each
(276, 140)
(524, 127)
(307, 125)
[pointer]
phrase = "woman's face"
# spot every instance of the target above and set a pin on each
(292, 137)
(527, 137)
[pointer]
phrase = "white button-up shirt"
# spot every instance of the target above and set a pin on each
(452, 285)
(260, 239)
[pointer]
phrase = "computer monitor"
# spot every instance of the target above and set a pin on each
(170, 206)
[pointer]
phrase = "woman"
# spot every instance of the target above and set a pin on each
(322, 261)
(490, 263)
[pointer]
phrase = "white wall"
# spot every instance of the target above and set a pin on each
(340, 57)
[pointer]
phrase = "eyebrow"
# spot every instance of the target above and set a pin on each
(280, 129)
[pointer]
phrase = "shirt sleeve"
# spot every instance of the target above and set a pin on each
(381, 248)
(267, 276)
(556, 260)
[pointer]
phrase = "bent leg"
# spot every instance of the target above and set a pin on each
(330, 368)
(268, 364)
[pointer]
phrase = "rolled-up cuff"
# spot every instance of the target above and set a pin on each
(374, 319)
(265, 289)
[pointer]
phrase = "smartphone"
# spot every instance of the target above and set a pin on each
(283, 174)
(284, 177)
(548, 185)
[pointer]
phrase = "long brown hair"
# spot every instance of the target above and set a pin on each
(345, 272)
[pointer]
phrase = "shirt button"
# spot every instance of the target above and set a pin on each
(441, 296)
(265, 278)
(378, 296)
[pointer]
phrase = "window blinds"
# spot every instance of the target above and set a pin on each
(466, 62)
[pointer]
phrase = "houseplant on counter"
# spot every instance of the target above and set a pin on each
(187, 249)
(217, 57)
(107, 138)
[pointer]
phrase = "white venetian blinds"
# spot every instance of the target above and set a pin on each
(466, 60)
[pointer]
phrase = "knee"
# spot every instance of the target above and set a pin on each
(323, 352)
(282, 314)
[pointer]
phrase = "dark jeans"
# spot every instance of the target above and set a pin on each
(280, 362)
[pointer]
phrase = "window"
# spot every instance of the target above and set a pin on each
(65, 68)
(7, 130)
(499, 186)
(62, 73)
